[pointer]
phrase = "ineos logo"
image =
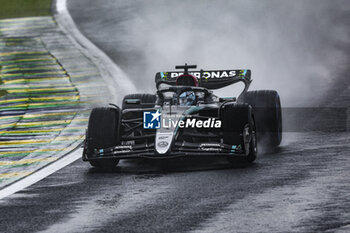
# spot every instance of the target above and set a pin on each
(163, 144)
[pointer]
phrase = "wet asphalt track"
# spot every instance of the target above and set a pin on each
(303, 186)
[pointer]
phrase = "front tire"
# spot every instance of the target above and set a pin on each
(239, 128)
(103, 132)
(105, 164)
(253, 144)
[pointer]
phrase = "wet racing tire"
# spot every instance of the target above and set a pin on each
(239, 128)
(268, 116)
(103, 132)
(105, 164)
(253, 144)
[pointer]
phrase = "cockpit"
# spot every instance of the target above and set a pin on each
(187, 98)
(184, 96)
(185, 93)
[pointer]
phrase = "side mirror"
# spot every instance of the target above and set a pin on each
(133, 101)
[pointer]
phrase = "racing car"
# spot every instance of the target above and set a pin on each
(185, 118)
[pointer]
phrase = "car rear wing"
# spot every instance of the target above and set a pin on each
(210, 79)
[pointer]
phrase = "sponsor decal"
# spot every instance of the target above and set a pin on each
(163, 75)
(151, 120)
(163, 141)
(116, 150)
(123, 148)
(242, 74)
(192, 123)
(163, 144)
(210, 147)
(207, 74)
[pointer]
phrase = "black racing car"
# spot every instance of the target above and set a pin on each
(185, 118)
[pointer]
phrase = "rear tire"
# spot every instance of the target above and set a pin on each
(268, 115)
(103, 132)
(146, 101)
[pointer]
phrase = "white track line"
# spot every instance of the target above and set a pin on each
(41, 173)
(118, 82)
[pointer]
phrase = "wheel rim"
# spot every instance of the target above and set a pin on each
(254, 140)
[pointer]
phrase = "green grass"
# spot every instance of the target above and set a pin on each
(24, 8)
(3, 92)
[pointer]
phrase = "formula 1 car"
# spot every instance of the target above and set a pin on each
(185, 118)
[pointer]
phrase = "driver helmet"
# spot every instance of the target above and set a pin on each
(187, 80)
(187, 98)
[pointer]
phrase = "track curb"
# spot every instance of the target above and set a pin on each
(112, 75)
(116, 79)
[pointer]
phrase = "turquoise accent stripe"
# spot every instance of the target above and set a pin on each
(233, 148)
